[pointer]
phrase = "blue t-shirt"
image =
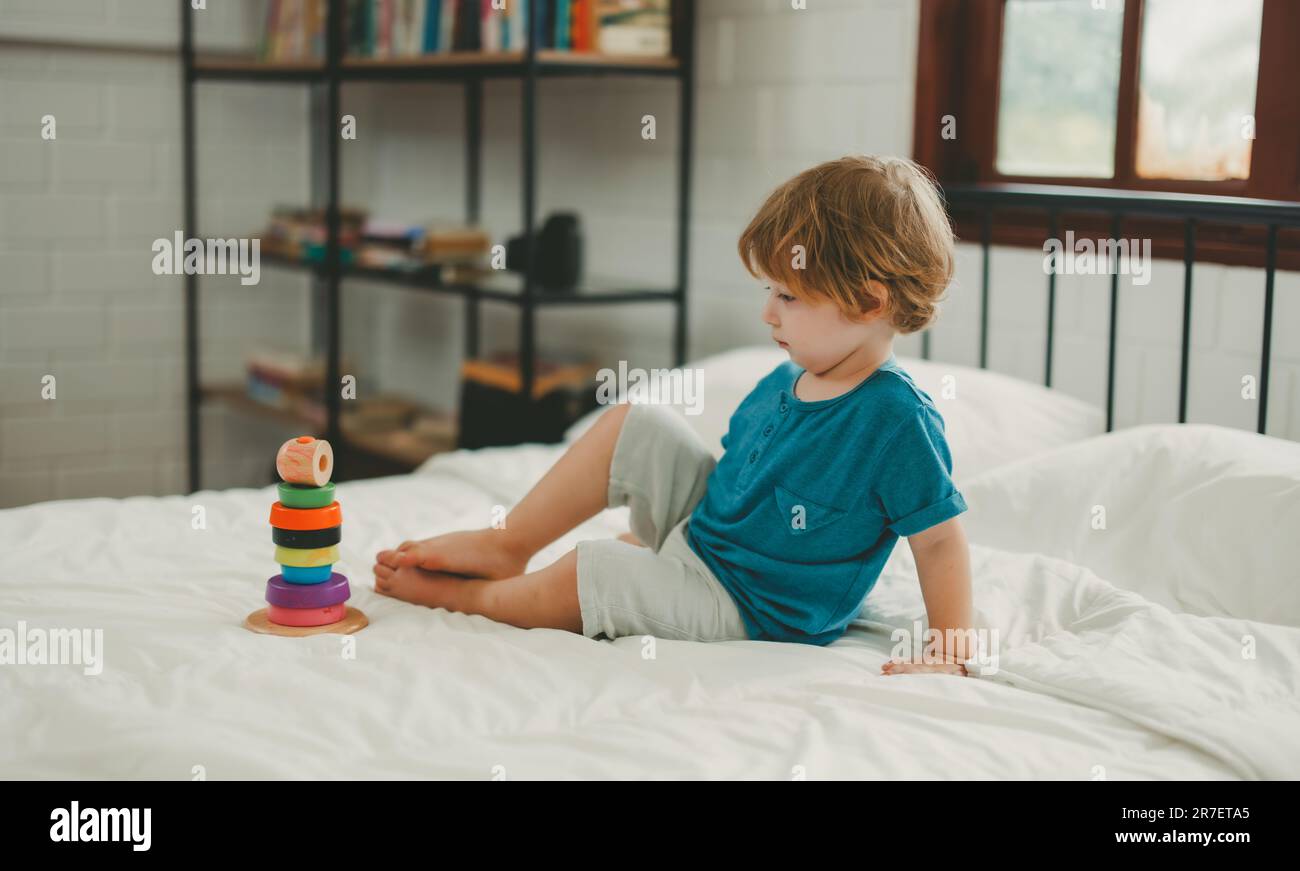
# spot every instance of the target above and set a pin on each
(809, 498)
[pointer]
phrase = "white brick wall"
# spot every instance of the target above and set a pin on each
(779, 89)
(78, 215)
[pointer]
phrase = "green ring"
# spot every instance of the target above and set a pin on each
(298, 496)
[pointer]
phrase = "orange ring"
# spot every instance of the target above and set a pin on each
(306, 518)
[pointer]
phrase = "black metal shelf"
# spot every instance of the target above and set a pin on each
(456, 66)
(528, 66)
(506, 289)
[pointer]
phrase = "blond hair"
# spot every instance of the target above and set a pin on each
(859, 219)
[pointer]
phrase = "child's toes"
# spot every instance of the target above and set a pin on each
(409, 555)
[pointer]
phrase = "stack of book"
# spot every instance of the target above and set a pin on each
(299, 234)
(407, 28)
(436, 246)
(403, 246)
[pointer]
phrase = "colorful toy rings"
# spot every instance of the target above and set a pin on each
(299, 496)
(284, 517)
(283, 594)
(307, 597)
(321, 556)
(306, 616)
(306, 574)
(307, 538)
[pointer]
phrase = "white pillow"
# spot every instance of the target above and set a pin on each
(990, 419)
(1201, 519)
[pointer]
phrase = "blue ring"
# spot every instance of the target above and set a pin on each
(306, 575)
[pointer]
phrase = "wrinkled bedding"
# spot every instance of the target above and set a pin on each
(1100, 673)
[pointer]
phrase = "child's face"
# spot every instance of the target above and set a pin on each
(815, 333)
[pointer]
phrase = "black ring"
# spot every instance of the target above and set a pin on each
(306, 538)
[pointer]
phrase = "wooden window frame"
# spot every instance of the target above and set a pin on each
(958, 74)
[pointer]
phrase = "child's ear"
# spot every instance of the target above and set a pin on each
(876, 304)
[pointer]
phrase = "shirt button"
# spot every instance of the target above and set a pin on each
(767, 430)
(753, 456)
(783, 408)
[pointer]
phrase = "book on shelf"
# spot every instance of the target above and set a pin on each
(289, 370)
(391, 423)
(550, 372)
(289, 381)
(394, 29)
(643, 29)
(294, 31)
(283, 368)
(450, 242)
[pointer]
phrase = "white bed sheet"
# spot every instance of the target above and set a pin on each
(1097, 681)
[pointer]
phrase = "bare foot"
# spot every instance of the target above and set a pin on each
(631, 539)
(479, 553)
(418, 586)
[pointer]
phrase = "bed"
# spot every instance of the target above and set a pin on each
(1164, 645)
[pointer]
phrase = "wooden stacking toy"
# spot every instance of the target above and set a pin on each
(307, 597)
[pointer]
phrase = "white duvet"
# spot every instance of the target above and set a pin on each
(1164, 645)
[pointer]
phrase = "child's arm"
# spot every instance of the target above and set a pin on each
(943, 567)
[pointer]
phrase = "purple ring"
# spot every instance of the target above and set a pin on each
(284, 594)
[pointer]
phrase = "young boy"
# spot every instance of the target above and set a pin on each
(832, 457)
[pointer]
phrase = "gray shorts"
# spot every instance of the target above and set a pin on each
(659, 469)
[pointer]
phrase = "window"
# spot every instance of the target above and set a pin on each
(1059, 97)
(1192, 96)
(1196, 89)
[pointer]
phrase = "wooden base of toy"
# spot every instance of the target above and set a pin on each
(353, 621)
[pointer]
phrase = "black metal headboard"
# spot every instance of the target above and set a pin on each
(1118, 204)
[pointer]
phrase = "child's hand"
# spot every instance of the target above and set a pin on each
(899, 667)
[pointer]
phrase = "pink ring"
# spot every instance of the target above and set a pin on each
(306, 616)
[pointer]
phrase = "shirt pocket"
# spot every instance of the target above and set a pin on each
(800, 515)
